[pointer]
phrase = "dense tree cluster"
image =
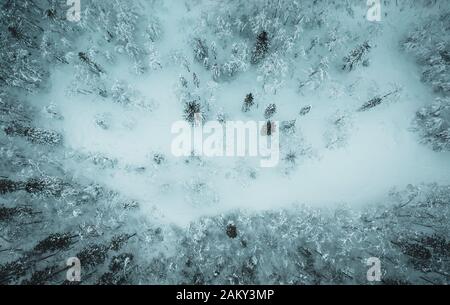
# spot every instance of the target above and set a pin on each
(51, 210)
(433, 124)
(430, 44)
(409, 234)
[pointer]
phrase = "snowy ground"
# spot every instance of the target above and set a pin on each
(115, 125)
(378, 149)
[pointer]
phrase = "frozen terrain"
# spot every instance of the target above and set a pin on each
(87, 109)
(378, 149)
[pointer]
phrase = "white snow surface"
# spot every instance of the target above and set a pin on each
(376, 150)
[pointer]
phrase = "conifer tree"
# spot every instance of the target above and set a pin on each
(270, 111)
(261, 47)
(248, 102)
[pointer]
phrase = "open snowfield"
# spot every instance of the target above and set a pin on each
(364, 169)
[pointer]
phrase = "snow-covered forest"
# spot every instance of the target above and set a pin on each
(86, 169)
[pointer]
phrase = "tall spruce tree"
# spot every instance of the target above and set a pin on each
(261, 47)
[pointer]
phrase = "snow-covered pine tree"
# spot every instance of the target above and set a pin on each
(356, 57)
(248, 102)
(261, 47)
(191, 109)
(271, 109)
